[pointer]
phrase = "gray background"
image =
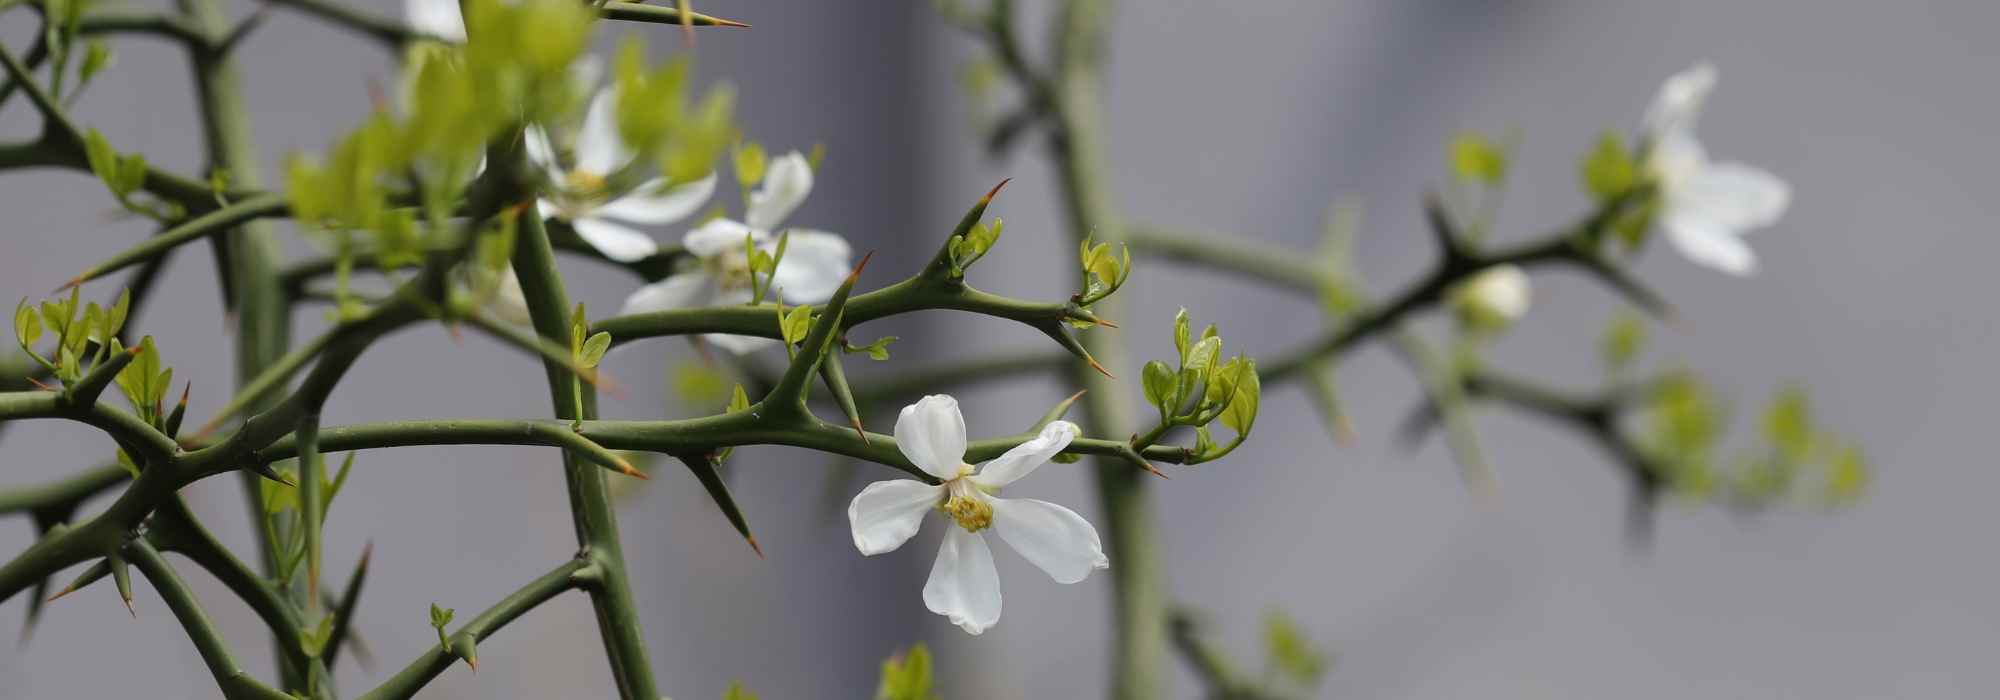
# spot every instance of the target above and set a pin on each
(1248, 119)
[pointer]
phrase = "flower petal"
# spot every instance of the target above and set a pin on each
(1502, 290)
(964, 587)
(1734, 196)
(931, 432)
(599, 151)
(888, 513)
(437, 18)
(1708, 243)
(786, 184)
(508, 302)
(1679, 102)
(815, 264)
(1054, 538)
(541, 153)
(650, 204)
(682, 291)
(736, 344)
(1025, 457)
(739, 345)
(717, 236)
(615, 241)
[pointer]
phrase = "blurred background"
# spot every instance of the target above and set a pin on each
(1246, 119)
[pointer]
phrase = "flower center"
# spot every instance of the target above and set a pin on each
(731, 269)
(585, 184)
(581, 192)
(966, 503)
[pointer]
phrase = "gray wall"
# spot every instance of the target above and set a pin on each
(1248, 120)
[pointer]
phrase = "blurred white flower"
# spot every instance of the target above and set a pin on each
(582, 193)
(963, 585)
(1500, 293)
(438, 18)
(815, 262)
(1706, 207)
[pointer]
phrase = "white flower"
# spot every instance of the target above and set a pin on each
(438, 18)
(1500, 292)
(581, 193)
(963, 585)
(815, 262)
(1706, 207)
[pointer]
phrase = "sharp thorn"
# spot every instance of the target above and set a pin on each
(720, 22)
(134, 612)
(754, 546)
(1100, 368)
(988, 199)
(39, 385)
(856, 275)
(1102, 322)
(73, 283)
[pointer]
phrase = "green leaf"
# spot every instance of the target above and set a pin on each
(796, 324)
(1623, 340)
(440, 618)
(1162, 388)
(1181, 338)
(115, 320)
(1242, 410)
(1847, 476)
(96, 57)
(878, 350)
(131, 174)
(313, 641)
(593, 349)
(906, 676)
(1608, 170)
(579, 325)
(27, 324)
(103, 161)
(1204, 442)
(1788, 424)
(1201, 355)
(736, 692)
(751, 161)
(1476, 159)
(1291, 652)
(332, 487)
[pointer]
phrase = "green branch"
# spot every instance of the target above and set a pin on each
(576, 573)
(234, 682)
(595, 523)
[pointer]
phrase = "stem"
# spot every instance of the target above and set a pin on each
(590, 503)
(263, 318)
(1138, 581)
(234, 682)
(407, 682)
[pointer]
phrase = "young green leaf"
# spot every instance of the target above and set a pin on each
(751, 161)
(1476, 159)
(593, 349)
(906, 676)
(27, 325)
(1608, 170)
(1162, 388)
(797, 323)
(1242, 410)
